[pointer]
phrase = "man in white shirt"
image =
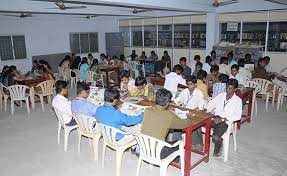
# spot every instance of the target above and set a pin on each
(227, 108)
(62, 103)
(127, 83)
(223, 66)
(206, 66)
(245, 73)
(173, 79)
(192, 98)
(193, 62)
(235, 75)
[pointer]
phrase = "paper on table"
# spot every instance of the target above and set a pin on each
(133, 99)
(181, 114)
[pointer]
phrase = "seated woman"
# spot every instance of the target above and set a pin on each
(143, 89)
(84, 69)
(65, 63)
(4, 73)
(13, 77)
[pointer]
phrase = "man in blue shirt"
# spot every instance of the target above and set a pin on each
(110, 116)
(80, 105)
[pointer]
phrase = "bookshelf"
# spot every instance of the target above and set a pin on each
(198, 37)
(254, 33)
(277, 37)
(137, 36)
(165, 35)
(229, 36)
(181, 35)
(150, 35)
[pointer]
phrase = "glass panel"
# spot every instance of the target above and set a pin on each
(94, 42)
(149, 35)
(277, 37)
(198, 37)
(126, 35)
(165, 36)
(137, 36)
(84, 41)
(254, 33)
(181, 35)
(74, 43)
(6, 50)
(19, 47)
(229, 35)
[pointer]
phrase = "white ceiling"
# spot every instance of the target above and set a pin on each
(125, 7)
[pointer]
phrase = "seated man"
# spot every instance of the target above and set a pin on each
(127, 83)
(244, 72)
(220, 86)
(214, 73)
(227, 108)
(260, 71)
(173, 79)
(198, 67)
(80, 105)
(61, 102)
(234, 73)
(207, 65)
(186, 70)
(202, 82)
(13, 77)
(143, 89)
(223, 66)
(192, 98)
(158, 120)
(109, 115)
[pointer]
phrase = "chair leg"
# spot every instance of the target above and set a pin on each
(79, 143)
(234, 138)
(163, 170)
(267, 100)
(279, 101)
(67, 132)
(12, 107)
(139, 166)
(32, 99)
(226, 146)
(255, 104)
(59, 132)
(96, 147)
(42, 103)
(21, 104)
(103, 154)
(5, 103)
(1, 102)
(90, 142)
(119, 162)
(27, 104)
(49, 99)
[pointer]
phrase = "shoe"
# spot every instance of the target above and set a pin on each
(218, 154)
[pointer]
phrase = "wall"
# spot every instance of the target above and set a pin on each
(49, 34)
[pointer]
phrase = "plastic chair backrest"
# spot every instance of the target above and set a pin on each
(77, 73)
(60, 115)
(109, 134)
(253, 84)
(150, 147)
(263, 83)
(86, 123)
(47, 86)
(18, 92)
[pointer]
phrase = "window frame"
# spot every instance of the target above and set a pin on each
(13, 48)
(89, 42)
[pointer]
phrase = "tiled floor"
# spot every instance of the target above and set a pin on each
(28, 146)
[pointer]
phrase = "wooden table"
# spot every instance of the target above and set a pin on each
(108, 69)
(154, 62)
(246, 93)
(33, 81)
(200, 119)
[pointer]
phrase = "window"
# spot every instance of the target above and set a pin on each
(198, 37)
(230, 32)
(84, 42)
(181, 35)
(277, 37)
(149, 35)
(126, 35)
(137, 39)
(12, 47)
(254, 33)
(165, 36)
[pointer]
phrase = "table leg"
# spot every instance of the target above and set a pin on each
(107, 79)
(249, 112)
(187, 152)
(118, 71)
(207, 139)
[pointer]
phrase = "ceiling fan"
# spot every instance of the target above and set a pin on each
(135, 11)
(218, 3)
(61, 5)
(21, 15)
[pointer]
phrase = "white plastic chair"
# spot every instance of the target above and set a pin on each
(257, 89)
(226, 136)
(3, 96)
(89, 128)
(135, 66)
(67, 129)
(264, 84)
(19, 93)
(47, 90)
(91, 79)
(281, 97)
(150, 149)
(275, 91)
(109, 135)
